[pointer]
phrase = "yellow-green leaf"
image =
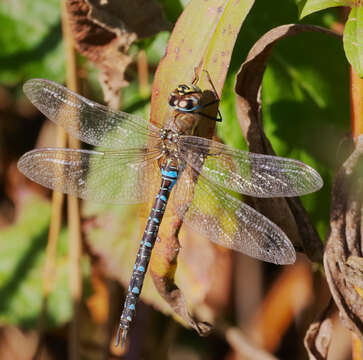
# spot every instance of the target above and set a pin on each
(308, 7)
(204, 36)
(353, 39)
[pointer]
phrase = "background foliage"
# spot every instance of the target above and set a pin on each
(306, 117)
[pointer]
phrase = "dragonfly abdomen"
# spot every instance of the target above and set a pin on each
(169, 175)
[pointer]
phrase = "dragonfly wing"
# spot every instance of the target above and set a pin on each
(109, 177)
(249, 173)
(229, 222)
(92, 123)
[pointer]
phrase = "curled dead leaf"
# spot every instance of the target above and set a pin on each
(343, 253)
(103, 31)
(319, 334)
(288, 213)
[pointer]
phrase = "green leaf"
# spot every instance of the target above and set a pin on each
(155, 51)
(30, 41)
(353, 39)
(307, 7)
(172, 9)
(21, 267)
(300, 96)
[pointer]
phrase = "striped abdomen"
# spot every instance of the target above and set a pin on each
(169, 175)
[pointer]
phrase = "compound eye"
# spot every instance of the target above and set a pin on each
(173, 101)
(188, 104)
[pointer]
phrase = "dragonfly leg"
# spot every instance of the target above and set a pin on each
(212, 85)
(217, 100)
(196, 76)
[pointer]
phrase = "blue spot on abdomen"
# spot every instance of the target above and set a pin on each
(171, 174)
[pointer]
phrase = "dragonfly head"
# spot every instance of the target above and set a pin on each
(185, 98)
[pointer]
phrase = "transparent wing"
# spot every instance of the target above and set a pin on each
(248, 173)
(229, 222)
(125, 177)
(86, 120)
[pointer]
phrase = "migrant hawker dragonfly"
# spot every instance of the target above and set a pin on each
(133, 157)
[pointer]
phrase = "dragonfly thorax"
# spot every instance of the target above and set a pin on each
(169, 142)
(169, 135)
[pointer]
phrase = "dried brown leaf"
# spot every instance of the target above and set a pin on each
(289, 213)
(142, 17)
(164, 265)
(343, 253)
(318, 337)
(103, 32)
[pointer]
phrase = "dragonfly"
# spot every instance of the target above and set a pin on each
(134, 161)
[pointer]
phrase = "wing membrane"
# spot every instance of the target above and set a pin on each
(92, 123)
(229, 222)
(125, 177)
(248, 173)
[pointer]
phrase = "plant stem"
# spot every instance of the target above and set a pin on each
(75, 245)
(356, 101)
